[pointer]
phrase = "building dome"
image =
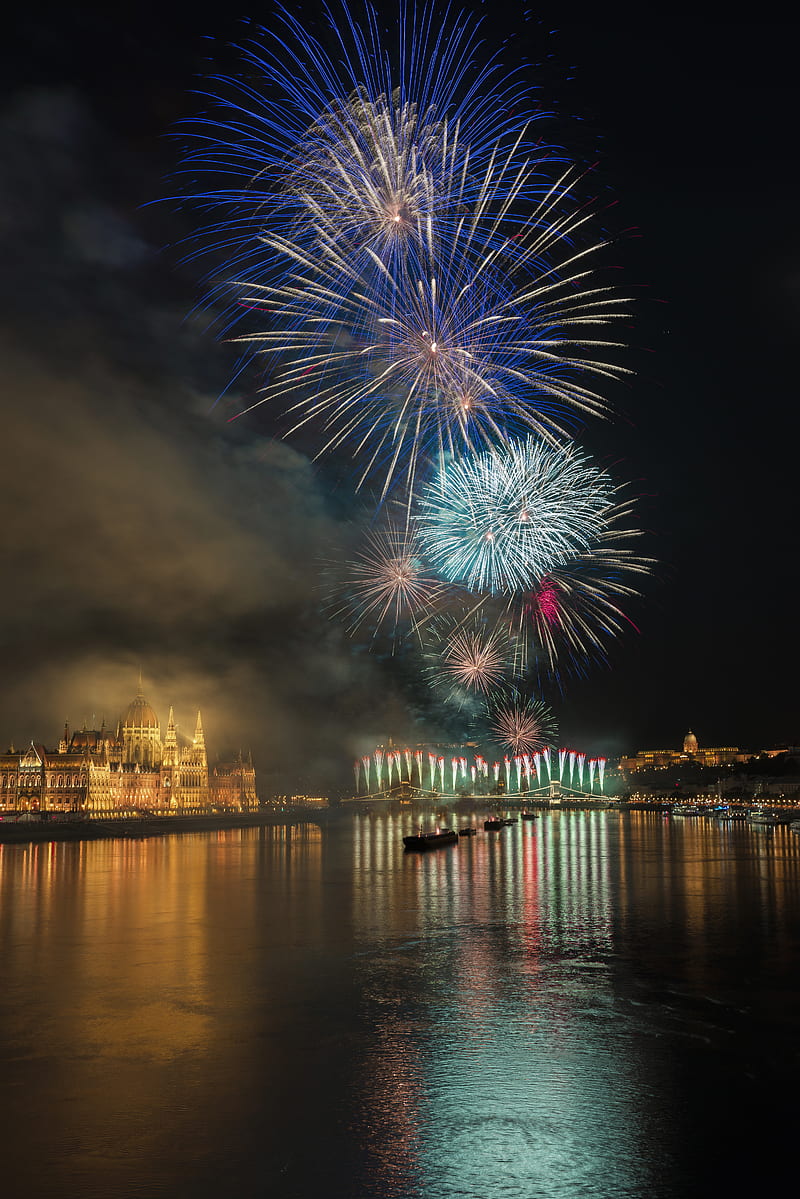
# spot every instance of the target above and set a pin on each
(139, 715)
(690, 743)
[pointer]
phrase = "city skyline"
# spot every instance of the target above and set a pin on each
(144, 527)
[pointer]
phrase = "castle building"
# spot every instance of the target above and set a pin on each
(647, 759)
(130, 769)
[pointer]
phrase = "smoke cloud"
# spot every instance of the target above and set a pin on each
(141, 529)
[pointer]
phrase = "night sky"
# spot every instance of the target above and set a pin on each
(141, 528)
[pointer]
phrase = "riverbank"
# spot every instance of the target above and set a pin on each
(22, 832)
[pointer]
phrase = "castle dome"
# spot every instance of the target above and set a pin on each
(139, 715)
(690, 743)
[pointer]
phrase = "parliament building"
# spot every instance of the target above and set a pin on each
(129, 769)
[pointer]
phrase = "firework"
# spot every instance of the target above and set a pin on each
(386, 584)
(500, 520)
(466, 658)
(570, 616)
(432, 770)
(411, 366)
(524, 725)
(474, 659)
(356, 146)
(422, 285)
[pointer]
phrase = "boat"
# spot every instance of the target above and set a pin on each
(530, 815)
(794, 826)
(432, 840)
(761, 818)
(467, 832)
(687, 810)
(510, 820)
(493, 823)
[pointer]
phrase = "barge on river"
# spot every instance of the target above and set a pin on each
(441, 836)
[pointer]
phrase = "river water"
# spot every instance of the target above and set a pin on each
(589, 1004)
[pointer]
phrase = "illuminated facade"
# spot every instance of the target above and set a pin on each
(131, 768)
(649, 759)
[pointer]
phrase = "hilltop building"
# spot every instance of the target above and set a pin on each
(649, 759)
(129, 768)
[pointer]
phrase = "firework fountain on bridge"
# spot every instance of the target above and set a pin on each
(445, 771)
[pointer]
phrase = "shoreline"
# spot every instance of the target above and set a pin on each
(13, 833)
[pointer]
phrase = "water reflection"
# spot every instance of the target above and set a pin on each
(547, 1010)
(505, 935)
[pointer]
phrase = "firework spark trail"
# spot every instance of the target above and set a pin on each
(355, 140)
(467, 657)
(411, 367)
(386, 584)
(601, 767)
(500, 521)
(592, 765)
(523, 725)
(365, 762)
(571, 615)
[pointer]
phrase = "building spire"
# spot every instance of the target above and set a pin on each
(199, 738)
(140, 691)
(170, 737)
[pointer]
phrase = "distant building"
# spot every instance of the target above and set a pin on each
(100, 770)
(649, 759)
(301, 801)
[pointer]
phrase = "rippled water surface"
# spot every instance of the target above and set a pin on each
(590, 1004)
